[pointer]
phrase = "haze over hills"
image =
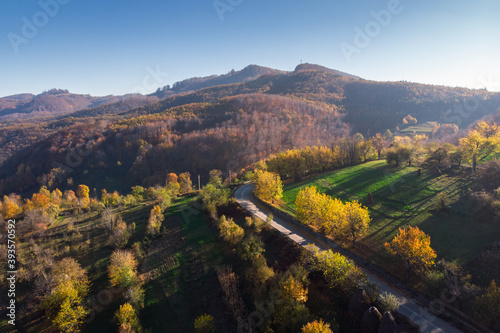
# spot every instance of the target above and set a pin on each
(57, 102)
(50, 103)
(240, 117)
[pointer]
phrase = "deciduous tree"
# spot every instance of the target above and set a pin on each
(122, 269)
(413, 247)
(155, 220)
(204, 324)
(356, 221)
(64, 303)
(82, 194)
(268, 186)
(316, 327)
(126, 316)
(185, 183)
(230, 231)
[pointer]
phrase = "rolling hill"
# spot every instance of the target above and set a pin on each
(224, 126)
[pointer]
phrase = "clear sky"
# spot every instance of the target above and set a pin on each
(105, 47)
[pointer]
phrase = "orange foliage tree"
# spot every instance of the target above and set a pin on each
(413, 247)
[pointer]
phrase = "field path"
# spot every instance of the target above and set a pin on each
(409, 307)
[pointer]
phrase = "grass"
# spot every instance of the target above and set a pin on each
(403, 199)
(188, 287)
(425, 128)
(185, 284)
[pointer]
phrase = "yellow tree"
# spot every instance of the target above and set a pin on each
(308, 204)
(483, 141)
(294, 289)
(185, 183)
(173, 183)
(155, 219)
(204, 324)
(230, 231)
(71, 316)
(11, 207)
(64, 303)
(332, 216)
(268, 186)
(82, 193)
(316, 327)
(413, 247)
(126, 317)
(122, 269)
(357, 221)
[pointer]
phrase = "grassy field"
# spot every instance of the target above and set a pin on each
(425, 128)
(402, 199)
(186, 285)
(179, 269)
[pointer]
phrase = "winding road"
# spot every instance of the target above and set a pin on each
(409, 306)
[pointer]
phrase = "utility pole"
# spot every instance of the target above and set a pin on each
(199, 184)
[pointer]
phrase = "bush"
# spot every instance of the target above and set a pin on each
(316, 327)
(442, 201)
(251, 248)
(388, 302)
(434, 282)
(230, 231)
(255, 223)
(204, 324)
(484, 206)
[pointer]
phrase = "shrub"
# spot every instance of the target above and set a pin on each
(484, 206)
(434, 282)
(388, 302)
(316, 327)
(127, 318)
(442, 201)
(204, 324)
(230, 231)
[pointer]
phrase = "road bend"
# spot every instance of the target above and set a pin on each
(409, 306)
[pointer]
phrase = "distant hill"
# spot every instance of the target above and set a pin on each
(248, 73)
(306, 66)
(51, 103)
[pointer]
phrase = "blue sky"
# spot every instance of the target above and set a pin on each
(111, 47)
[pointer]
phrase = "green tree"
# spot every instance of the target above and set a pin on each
(338, 271)
(214, 197)
(251, 248)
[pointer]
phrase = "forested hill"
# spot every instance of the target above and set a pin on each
(226, 135)
(53, 102)
(224, 127)
(248, 73)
